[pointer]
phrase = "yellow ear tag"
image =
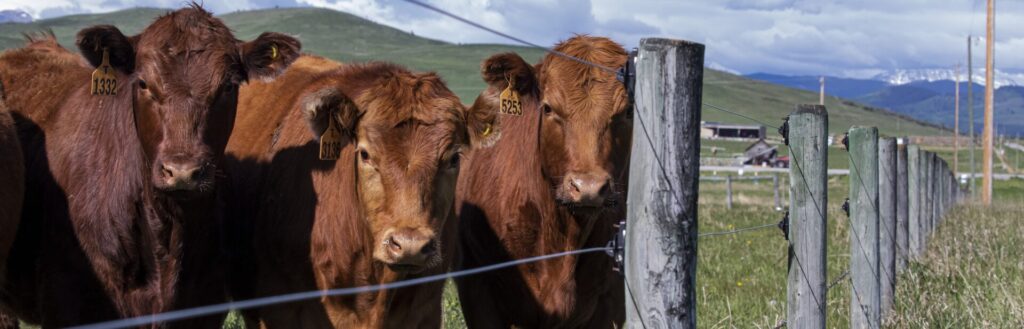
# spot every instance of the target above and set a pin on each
(273, 52)
(509, 98)
(330, 141)
(487, 130)
(104, 81)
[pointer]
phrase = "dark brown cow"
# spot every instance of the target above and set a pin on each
(121, 213)
(563, 191)
(12, 184)
(382, 212)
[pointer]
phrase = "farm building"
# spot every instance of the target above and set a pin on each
(763, 154)
(714, 130)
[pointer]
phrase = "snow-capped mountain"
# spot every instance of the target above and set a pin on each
(902, 77)
(14, 16)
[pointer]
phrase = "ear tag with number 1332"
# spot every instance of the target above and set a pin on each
(104, 81)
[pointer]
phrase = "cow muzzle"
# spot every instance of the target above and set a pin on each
(409, 250)
(585, 189)
(184, 176)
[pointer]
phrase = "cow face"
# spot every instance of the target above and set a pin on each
(587, 128)
(183, 75)
(407, 132)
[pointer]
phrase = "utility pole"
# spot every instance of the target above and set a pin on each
(821, 95)
(986, 135)
(956, 123)
(970, 114)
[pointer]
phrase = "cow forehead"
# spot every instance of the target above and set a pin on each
(190, 45)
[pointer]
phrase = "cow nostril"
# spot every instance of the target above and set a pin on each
(575, 183)
(392, 244)
(605, 188)
(167, 172)
(429, 248)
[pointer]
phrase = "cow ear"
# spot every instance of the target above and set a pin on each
(500, 69)
(321, 105)
(482, 119)
(93, 40)
(268, 55)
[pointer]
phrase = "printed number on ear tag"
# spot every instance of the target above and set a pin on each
(509, 99)
(104, 81)
(330, 141)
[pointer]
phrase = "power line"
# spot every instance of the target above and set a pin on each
(510, 37)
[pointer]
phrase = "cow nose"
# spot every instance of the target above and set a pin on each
(409, 247)
(588, 189)
(180, 175)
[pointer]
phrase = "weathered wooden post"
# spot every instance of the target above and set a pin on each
(661, 237)
(728, 191)
(775, 187)
(808, 172)
(915, 200)
(902, 206)
(887, 220)
(933, 165)
(929, 204)
(864, 265)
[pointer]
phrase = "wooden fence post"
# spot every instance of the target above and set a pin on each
(887, 220)
(728, 191)
(661, 237)
(902, 207)
(808, 174)
(864, 265)
(929, 201)
(933, 199)
(915, 200)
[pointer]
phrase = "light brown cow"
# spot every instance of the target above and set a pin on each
(380, 213)
(563, 191)
(121, 215)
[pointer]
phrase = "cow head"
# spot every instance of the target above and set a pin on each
(406, 132)
(586, 123)
(183, 75)
(587, 128)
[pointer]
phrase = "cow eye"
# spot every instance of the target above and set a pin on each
(453, 162)
(364, 156)
(142, 84)
(547, 109)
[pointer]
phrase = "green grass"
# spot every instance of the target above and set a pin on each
(741, 277)
(971, 274)
(1014, 159)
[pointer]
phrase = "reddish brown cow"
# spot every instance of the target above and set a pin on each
(382, 212)
(121, 214)
(563, 192)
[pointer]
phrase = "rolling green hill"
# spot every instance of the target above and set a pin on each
(349, 38)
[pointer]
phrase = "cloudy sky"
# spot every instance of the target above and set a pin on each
(835, 37)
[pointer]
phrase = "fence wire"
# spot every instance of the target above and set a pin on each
(316, 294)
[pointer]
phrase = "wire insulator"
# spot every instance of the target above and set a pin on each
(846, 207)
(617, 247)
(784, 130)
(784, 225)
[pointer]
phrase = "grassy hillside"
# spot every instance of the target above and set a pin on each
(349, 38)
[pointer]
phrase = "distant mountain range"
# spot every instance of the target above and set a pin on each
(927, 95)
(14, 16)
